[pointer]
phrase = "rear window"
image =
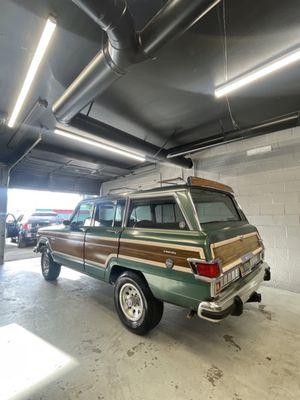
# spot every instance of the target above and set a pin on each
(212, 206)
(159, 213)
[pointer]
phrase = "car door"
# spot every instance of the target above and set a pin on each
(11, 226)
(102, 238)
(68, 243)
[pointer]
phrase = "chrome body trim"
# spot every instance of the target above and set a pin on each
(42, 240)
(194, 209)
(154, 195)
(227, 297)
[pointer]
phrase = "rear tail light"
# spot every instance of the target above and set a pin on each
(207, 269)
(26, 227)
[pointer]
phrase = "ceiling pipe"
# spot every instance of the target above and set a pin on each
(124, 46)
(112, 136)
(176, 17)
(109, 64)
(30, 120)
(78, 156)
(284, 122)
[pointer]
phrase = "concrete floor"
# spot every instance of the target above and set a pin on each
(255, 356)
(12, 252)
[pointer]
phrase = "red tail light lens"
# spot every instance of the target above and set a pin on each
(26, 227)
(209, 270)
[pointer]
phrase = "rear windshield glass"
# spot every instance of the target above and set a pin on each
(212, 206)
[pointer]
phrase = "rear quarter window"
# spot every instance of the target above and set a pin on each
(156, 213)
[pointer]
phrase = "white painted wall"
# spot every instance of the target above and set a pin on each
(266, 186)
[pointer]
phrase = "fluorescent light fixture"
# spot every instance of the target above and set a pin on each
(37, 58)
(124, 153)
(259, 150)
(259, 73)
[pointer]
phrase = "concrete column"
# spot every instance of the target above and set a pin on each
(4, 178)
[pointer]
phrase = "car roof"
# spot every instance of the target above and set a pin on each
(116, 196)
(192, 182)
(166, 190)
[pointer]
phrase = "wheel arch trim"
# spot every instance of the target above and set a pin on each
(43, 241)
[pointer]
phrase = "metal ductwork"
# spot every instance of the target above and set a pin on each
(109, 64)
(284, 122)
(172, 21)
(113, 136)
(124, 46)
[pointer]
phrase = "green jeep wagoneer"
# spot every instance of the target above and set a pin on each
(189, 245)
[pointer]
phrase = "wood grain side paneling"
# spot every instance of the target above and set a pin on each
(234, 249)
(98, 249)
(157, 253)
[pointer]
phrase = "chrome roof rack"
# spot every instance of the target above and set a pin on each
(173, 181)
(121, 189)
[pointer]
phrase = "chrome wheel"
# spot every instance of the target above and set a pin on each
(131, 302)
(46, 264)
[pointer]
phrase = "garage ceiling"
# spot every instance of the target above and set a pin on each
(167, 101)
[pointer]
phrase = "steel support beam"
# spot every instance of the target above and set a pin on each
(283, 122)
(4, 180)
(113, 136)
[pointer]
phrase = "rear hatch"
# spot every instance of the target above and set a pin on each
(229, 236)
(233, 243)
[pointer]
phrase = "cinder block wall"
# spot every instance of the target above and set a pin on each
(267, 186)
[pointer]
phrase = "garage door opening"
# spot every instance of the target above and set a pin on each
(29, 210)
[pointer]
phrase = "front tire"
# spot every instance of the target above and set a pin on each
(136, 306)
(50, 269)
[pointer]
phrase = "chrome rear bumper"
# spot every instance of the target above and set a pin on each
(231, 301)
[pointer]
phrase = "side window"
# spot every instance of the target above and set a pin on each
(83, 215)
(119, 213)
(104, 214)
(159, 213)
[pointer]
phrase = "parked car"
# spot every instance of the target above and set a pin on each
(11, 226)
(190, 245)
(28, 225)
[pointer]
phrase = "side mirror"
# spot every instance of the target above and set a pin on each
(67, 222)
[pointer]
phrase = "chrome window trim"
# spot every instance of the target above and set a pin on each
(113, 201)
(126, 211)
(154, 196)
(93, 202)
(116, 204)
(230, 195)
(183, 212)
(96, 203)
(153, 193)
(189, 194)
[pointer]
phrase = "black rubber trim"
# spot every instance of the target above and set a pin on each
(235, 309)
(218, 315)
(267, 276)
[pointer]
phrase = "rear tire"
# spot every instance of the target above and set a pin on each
(50, 269)
(21, 242)
(136, 306)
